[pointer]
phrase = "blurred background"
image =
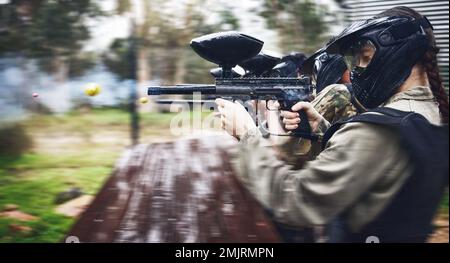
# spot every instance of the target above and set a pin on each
(57, 144)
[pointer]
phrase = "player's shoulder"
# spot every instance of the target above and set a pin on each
(335, 95)
(334, 89)
(365, 134)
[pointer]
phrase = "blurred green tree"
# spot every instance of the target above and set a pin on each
(299, 23)
(14, 141)
(163, 31)
(229, 20)
(50, 31)
(123, 6)
(116, 57)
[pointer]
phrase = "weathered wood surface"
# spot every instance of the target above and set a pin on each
(182, 191)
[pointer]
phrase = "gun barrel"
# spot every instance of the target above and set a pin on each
(181, 90)
(184, 101)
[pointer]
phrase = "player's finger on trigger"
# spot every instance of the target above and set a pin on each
(300, 105)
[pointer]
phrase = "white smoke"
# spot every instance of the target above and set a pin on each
(19, 80)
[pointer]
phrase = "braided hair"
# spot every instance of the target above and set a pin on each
(429, 61)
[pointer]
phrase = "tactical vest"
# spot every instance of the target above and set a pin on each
(408, 216)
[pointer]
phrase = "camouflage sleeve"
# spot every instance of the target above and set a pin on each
(334, 104)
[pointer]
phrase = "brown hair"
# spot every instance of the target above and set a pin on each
(429, 60)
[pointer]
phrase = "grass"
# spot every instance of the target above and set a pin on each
(33, 181)
(444, 203)
(45, 161)
(33, 187)
(97, 119)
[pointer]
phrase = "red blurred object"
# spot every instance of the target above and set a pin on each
(346, 77)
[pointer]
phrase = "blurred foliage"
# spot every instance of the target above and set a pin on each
(163, 41)
(116, 58)
(14, 141)
(79, 63)
(51, 31)
(229, 20)
(300, 23)
(123, 6)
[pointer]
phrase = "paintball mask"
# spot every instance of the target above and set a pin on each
(380, 54)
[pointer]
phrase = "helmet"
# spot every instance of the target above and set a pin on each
(289, 65)
(327, 69)
(380, 52)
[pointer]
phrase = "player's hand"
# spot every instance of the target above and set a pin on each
(291, 119)
(234, 118)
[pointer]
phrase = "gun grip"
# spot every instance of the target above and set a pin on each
(303, 126)
(304, 129)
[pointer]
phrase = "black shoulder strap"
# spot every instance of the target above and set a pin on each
(382, 115)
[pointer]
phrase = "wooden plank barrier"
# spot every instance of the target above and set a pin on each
(181, 191)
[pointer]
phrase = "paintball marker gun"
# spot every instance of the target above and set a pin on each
(236, 72)
(260, 65)
(228, 49)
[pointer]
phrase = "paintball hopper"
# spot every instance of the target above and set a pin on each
(289, 65)
(236, 72)
(260, 63)
(226, 49)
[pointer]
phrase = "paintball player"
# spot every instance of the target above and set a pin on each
(371, 179)
(333, 101)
